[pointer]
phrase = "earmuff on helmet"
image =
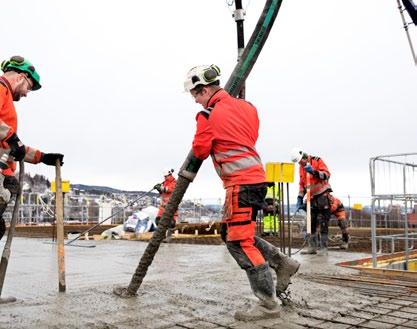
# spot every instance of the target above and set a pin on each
(201, 75)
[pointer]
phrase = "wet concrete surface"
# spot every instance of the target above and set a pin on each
(187, 286)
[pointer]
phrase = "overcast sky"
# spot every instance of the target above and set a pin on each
(335, 78)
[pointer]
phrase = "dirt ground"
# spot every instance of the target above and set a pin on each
(187, 286)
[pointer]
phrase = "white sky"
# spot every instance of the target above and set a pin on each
(335, 77)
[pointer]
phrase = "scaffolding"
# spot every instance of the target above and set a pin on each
(393, 204)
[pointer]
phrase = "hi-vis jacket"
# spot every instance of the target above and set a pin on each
(319, 182)
(227, 130)
(8, 126)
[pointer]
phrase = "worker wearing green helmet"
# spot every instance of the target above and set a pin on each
(18, 79)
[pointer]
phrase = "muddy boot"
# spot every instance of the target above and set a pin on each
(312, 245)
(284, 266)
(323, 251)
(345, 241)
(260, 279)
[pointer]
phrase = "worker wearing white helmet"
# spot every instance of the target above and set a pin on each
(320, 188)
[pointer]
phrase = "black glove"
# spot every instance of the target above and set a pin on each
(17, 149)
(50, 158)
(158, 187)
(12, 184)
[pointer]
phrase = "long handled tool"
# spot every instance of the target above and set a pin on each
(7, 247)
(308, 178)
(59, 215)
(191, 165)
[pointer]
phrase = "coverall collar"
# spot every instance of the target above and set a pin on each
(9, 86)
(217, 96)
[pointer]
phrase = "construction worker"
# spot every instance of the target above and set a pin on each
(18, 79)
(165, 190)
(338, 210)
(270, 212)
(318, 176)
(227, 129)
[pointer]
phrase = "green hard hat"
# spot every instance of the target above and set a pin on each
(20, 64)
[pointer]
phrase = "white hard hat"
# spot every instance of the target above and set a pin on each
(297, 154)
(201, 75)
(168, 172)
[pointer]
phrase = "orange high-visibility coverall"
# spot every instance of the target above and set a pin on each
(227, 129)
(166, 190)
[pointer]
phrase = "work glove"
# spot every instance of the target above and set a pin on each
(308, 168)
(17, 149)
(12, 184)
(299, 202)
(50, 158)
(158, 187)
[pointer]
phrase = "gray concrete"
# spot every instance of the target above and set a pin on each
(187, 286)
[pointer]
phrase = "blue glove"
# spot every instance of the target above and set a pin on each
(308, 168)
(299, 202)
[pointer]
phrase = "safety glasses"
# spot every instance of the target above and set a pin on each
(30, 84)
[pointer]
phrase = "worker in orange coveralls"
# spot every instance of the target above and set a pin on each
(227, 129)
(18, 79)
(165, 190)
(320, 188)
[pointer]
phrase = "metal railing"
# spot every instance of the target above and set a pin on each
(394, 193)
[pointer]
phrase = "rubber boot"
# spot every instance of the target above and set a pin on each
(312, 245)
(284, 266)
(260, 279)
(345, 241)
(323, 251)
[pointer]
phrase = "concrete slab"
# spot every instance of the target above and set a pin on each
(187, 286)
